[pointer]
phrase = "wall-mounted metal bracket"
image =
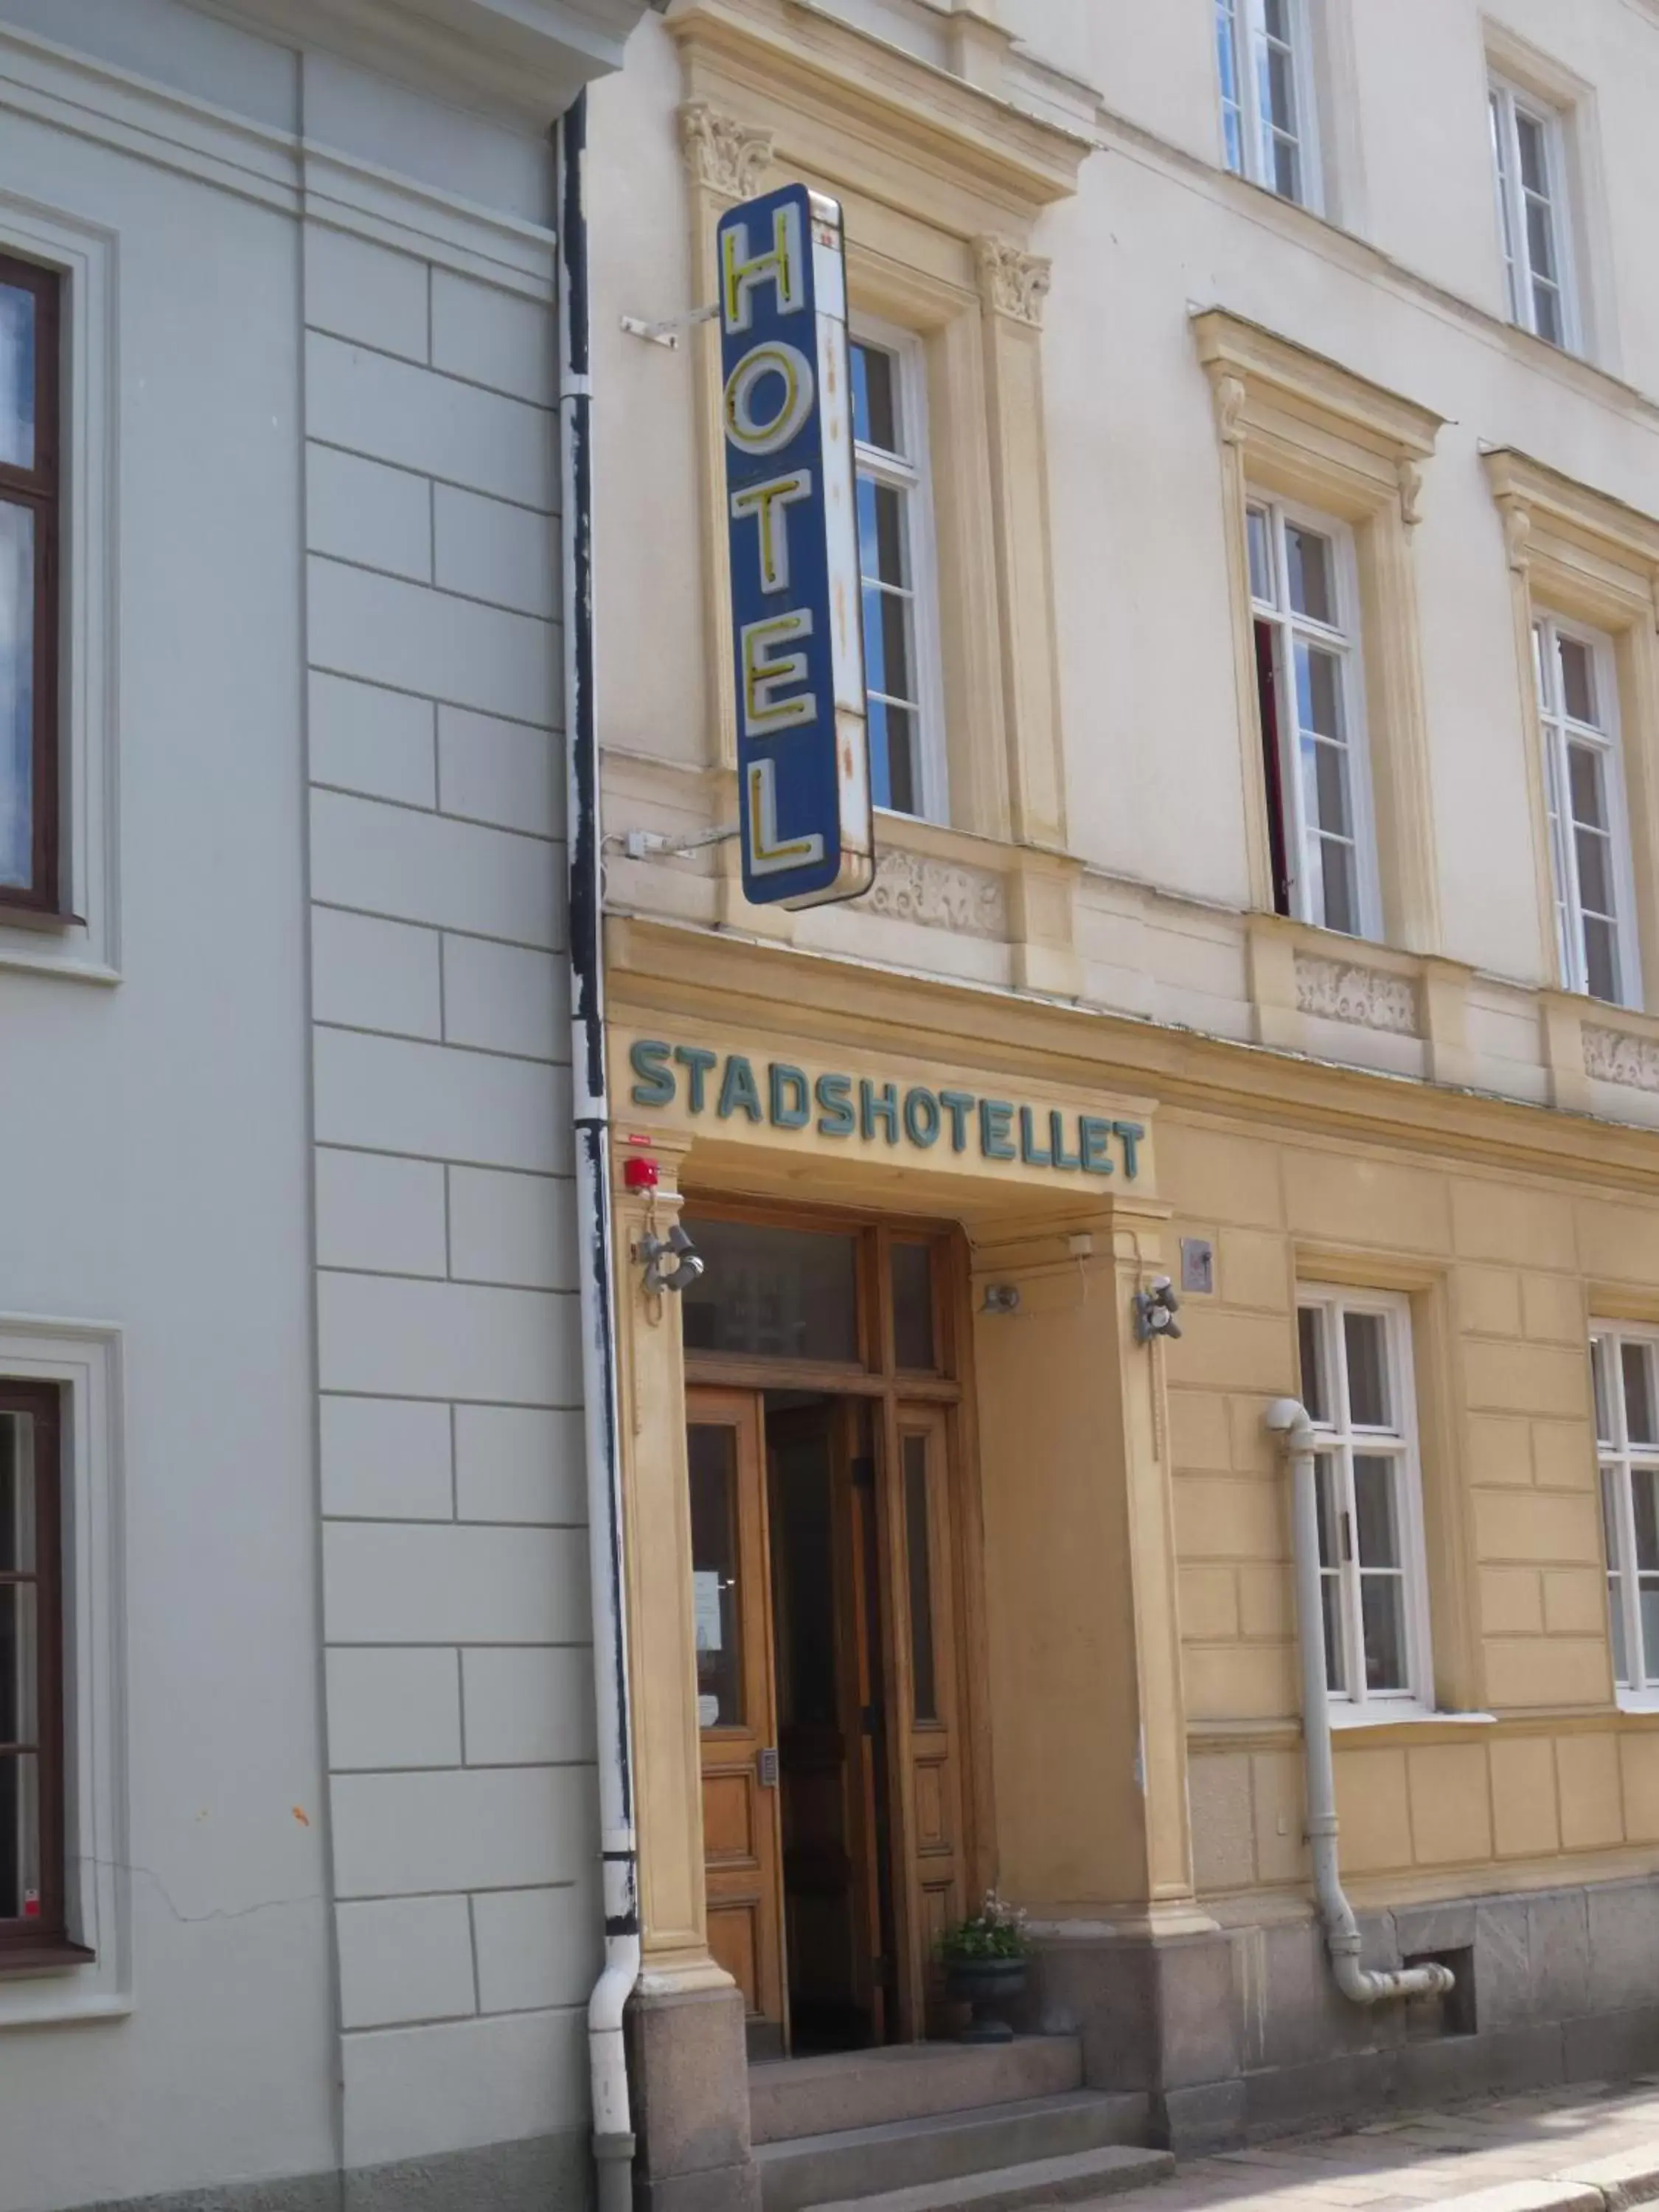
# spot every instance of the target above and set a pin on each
(1155, 1310)
(645, 844)
(667, 332)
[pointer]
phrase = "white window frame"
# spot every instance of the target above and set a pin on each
(1556, 730)
(1337, 1440)
(1346, 640)
(911, 472)
(1243, 24)
(1615, 1456)
(1505, 99)
(84, 1359)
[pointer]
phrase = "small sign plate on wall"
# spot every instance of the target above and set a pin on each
(797, 639)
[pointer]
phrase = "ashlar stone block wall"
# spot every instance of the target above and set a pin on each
(458, 1673)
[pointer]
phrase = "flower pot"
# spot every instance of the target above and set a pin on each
(987, 1985)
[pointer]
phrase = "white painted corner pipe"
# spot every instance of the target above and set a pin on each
(613, 2132)
(1288, 1419)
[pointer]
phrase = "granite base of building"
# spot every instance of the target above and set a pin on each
(544, 2173)
(689, 2068)
(1242, 2033)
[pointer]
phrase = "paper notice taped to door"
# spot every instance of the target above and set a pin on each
(706, 1600)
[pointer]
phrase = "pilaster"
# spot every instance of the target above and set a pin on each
(657, 1523)
(727, 160)
(1088, 1716)
(1274, 1001)
(1444, 999)
(1042, 924)
(978, 45)
(1561, 1024)
(1013, 285)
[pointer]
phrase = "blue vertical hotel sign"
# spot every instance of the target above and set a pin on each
(803, 750)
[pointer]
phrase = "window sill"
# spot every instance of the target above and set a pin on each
(1404, 1713)
(19, 1960)
(1637, 1701)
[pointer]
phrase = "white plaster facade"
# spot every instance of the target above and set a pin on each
(1398, 279)
(332, 1827)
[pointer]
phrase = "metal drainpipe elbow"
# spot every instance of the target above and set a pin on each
(1287, 1419)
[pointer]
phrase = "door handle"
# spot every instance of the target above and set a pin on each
(766, 1764)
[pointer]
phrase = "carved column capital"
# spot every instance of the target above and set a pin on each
(722, 154)
(1011, 282)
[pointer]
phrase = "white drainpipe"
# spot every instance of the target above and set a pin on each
(613, 2133)
(1288, 1419)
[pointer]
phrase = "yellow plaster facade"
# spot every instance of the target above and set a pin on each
(1087, 929)
(1131, 1498)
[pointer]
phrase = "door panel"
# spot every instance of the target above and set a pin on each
(927, 1719)
(735, 1698)
(833, 1939)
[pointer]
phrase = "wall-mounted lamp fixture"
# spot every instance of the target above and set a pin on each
(1156, 1308)
(1000, 1298)
(670, 1263)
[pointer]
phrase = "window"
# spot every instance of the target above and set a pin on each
(895, 563)
(1626, 1389)
(28, 587)
(1355, 1350)
(32, 1887)
(1590, 842)
(1304, 603)
(1267, 102)
(1529, 165)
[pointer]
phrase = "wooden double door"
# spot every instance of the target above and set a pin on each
(826, 1557)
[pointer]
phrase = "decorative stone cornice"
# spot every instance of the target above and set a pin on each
(1370, 998)
(1606, 548)
(1011, 282)
(1621, 1056)
(854, 109)
(1280, 374)
(531, 54)
(939, 894)
(722, 154)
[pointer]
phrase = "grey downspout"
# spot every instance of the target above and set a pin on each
(613, 2137)
(1288, 1419)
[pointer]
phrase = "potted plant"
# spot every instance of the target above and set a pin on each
(984, 1960)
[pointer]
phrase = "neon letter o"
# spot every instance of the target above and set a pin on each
(771, 359)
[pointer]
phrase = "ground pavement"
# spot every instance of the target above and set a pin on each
(1592, 2148)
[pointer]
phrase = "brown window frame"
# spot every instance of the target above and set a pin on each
(40, 490)
(44, 1938)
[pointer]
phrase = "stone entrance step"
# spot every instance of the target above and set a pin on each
(1091, 2175)
(793, 2097)
(802, 2173)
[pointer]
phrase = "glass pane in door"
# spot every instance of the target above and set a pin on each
(711, 1455)
(772, 1293)
(913, 1307)
(924, 1683)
